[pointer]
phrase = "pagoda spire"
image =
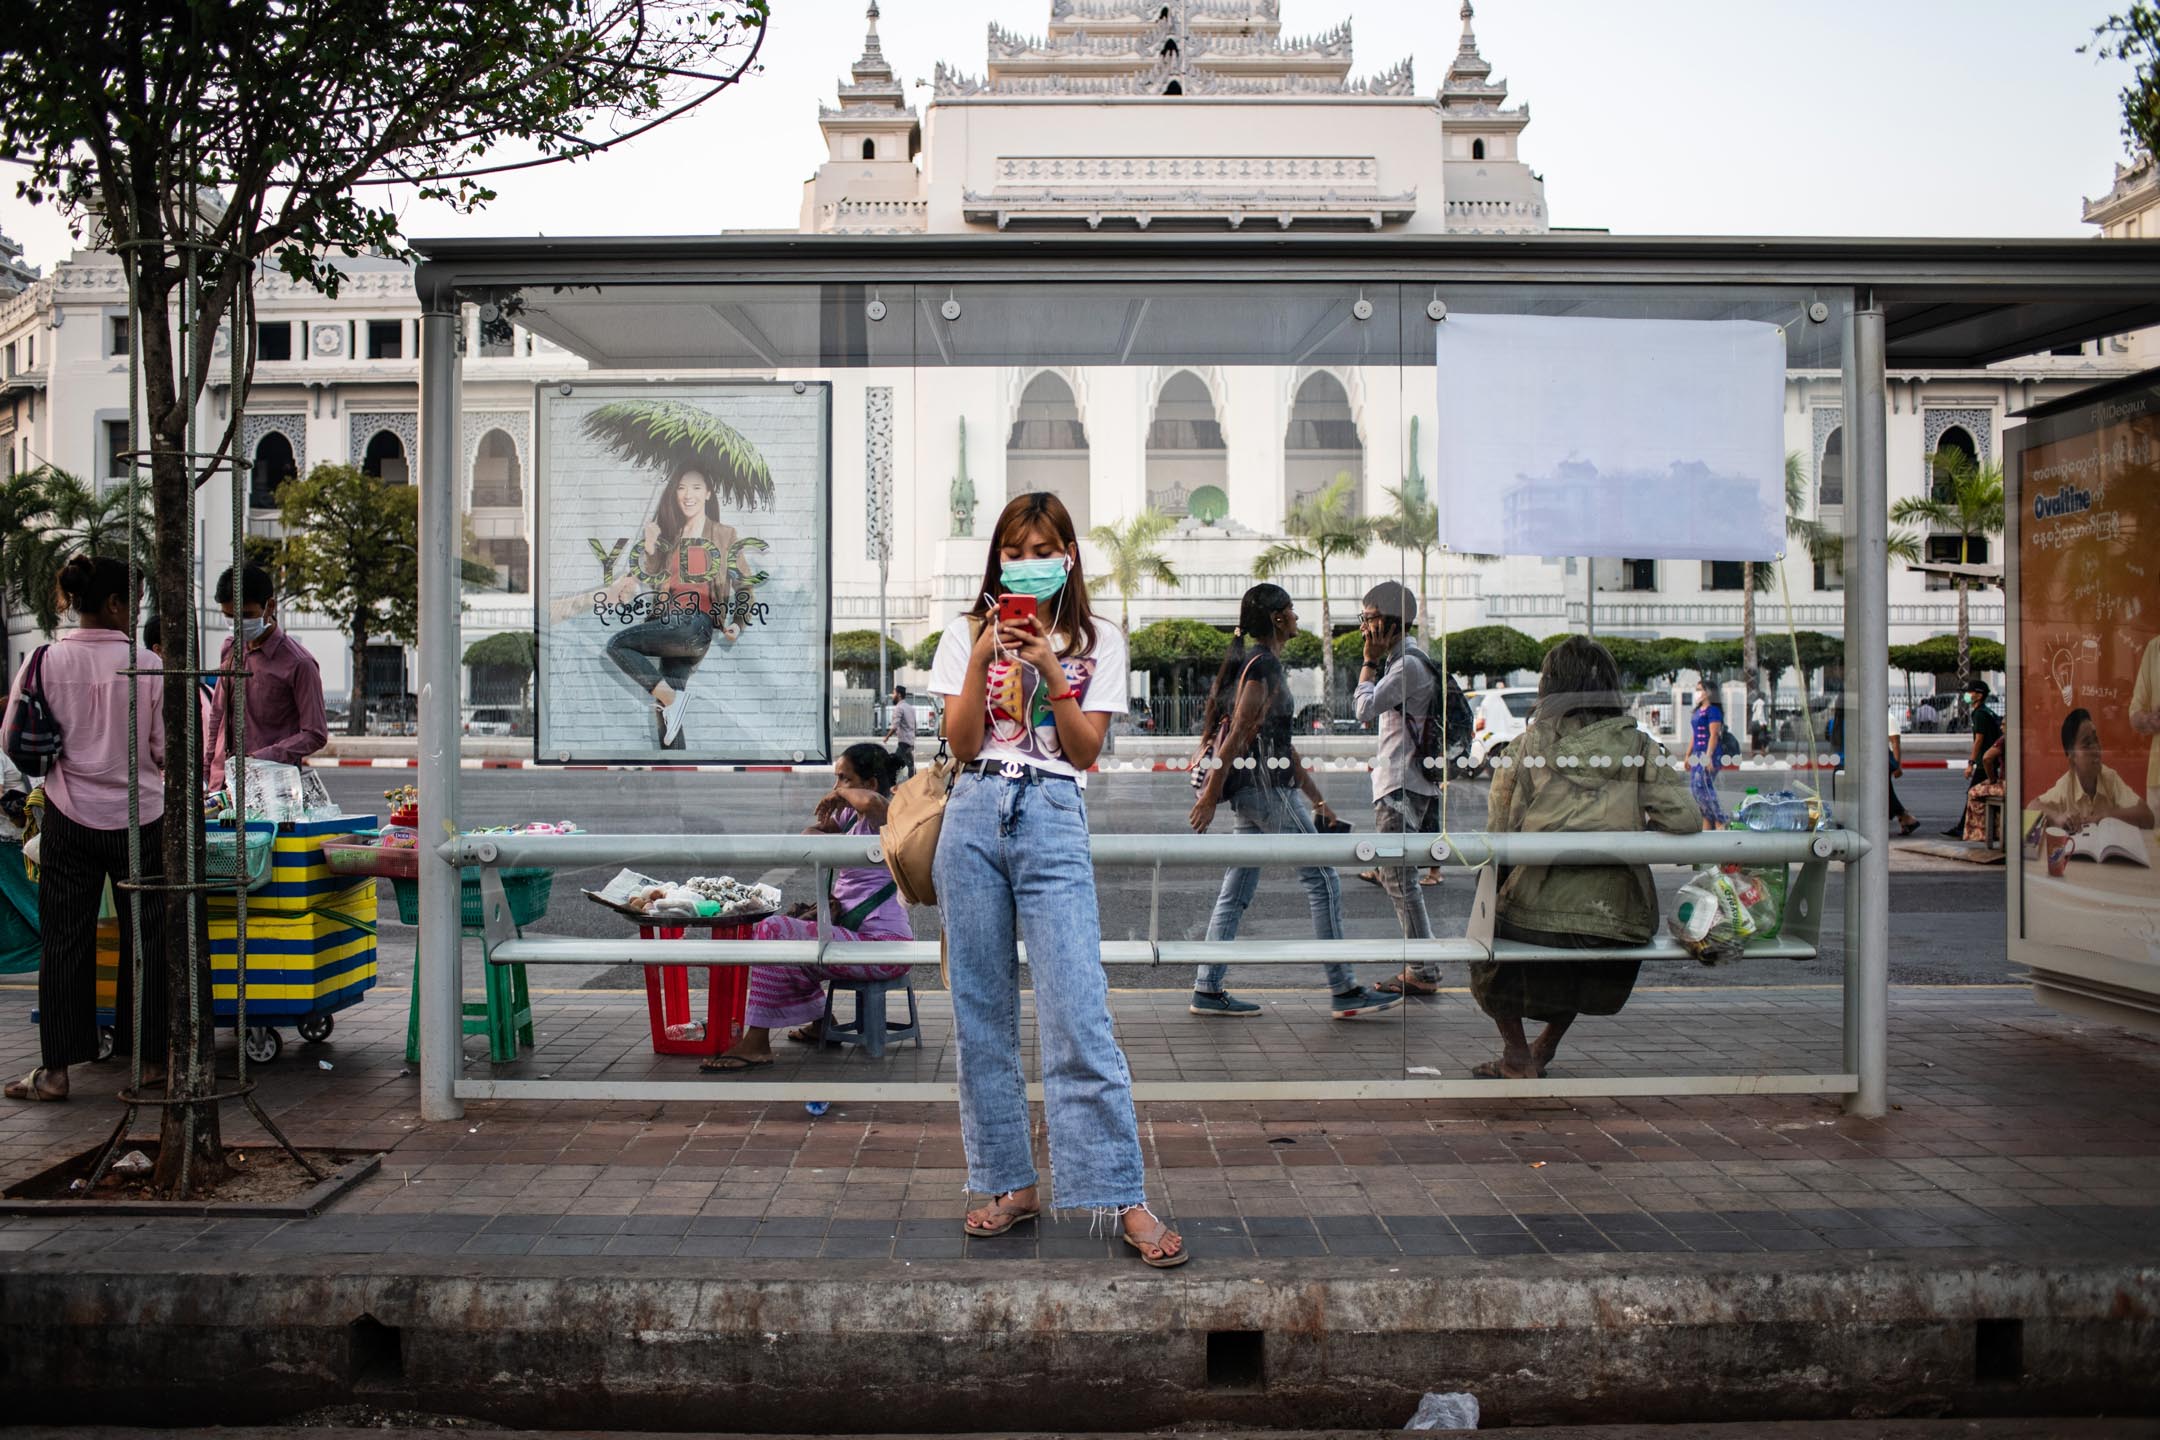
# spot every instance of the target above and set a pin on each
(1469, 79)
(873, 62)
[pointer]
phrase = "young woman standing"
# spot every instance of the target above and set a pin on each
(1271, 794)
(1028, 704)
(85, 834)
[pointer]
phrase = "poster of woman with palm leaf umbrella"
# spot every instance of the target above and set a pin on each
(684, 565)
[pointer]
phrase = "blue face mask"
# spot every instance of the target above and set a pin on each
(1042, 579)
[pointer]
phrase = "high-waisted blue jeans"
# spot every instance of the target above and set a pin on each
(1270, 810)
(1013, 863)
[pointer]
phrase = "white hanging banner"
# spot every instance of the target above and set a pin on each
(1648, 439)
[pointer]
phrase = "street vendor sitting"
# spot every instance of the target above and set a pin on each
(865, 906)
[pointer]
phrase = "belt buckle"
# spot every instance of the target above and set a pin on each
(1012, 770)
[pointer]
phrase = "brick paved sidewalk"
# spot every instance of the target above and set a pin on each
(2017, 1128)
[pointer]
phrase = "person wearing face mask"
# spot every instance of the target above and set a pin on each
(1028, 703)
(1270, 793)
(284, 721)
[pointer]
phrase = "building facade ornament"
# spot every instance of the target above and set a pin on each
(517, 424)
(255, 424)
(364, 425)
(1980, 424)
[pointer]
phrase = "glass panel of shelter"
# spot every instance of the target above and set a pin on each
(1647, 633)
(1212, 406)
(1117, 397)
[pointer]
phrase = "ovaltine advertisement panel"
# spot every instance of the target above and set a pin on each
(2086, 495)
(684, 573)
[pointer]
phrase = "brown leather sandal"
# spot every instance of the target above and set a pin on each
(1163, 1257)
(1007, 1217)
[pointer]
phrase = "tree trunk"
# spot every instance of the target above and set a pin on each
(1327, 634)
(1964, 637)
(356, 704)
(1748, 654)
(1424, 600)
(190, 1069)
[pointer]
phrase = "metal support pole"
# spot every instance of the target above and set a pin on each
(1867, 699)
(440, 969)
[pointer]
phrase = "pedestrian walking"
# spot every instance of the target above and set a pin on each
(1031, 678)
(1418, 716)
(1589, 768)
(1706, 756)
(901, 732)
(1270, 792)
(83, 837)
(284, 693)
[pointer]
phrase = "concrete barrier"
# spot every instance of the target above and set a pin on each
(249, 1337)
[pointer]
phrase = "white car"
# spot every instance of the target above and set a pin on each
(489, 720)
(1500, 716)
(1497, 718)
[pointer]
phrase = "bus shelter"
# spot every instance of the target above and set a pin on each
(821, 376)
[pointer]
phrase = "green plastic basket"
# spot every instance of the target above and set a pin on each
(219, 847)
(527, 889)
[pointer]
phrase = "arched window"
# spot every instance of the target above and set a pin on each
(384, 458)
(1322, 442)
(1185, 448)
(274, 465)
(869, 149)
(1477, 149)
(1048, 446)
(1830, 473)
(1173, 88)
(1954, 450)
(496, 480)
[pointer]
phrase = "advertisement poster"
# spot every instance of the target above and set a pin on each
(2087, 494)
(1567, 435)
(683, 578)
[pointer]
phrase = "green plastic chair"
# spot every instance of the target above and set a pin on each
(505, 1014)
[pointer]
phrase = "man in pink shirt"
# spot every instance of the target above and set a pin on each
(83, 842)
(284, 684)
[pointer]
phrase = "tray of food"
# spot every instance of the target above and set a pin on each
(700, 900)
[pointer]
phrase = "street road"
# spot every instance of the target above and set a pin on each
(1946, 921)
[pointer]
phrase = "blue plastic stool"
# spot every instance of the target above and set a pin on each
(869, 1029)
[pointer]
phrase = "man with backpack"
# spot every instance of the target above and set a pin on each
(1423, 723)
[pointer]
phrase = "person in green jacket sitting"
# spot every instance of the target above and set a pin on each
(1582, 765)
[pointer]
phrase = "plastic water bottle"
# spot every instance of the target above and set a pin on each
(1782, 811)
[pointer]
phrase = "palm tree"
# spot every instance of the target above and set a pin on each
(70, 517)
(1414, 524)
(22, 499)
(1132, 556)
(1322, 526)
(1754, 577)
(1966, 499)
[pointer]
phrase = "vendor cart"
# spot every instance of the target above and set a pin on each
(310, 934)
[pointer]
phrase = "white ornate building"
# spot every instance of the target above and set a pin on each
(1121, 115)
(335, 380)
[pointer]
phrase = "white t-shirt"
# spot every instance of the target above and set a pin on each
(1017, 723)
(1897, 721)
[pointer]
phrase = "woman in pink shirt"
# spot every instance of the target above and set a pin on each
(84, 839)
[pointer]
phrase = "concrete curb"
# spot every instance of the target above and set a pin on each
(811, 1346)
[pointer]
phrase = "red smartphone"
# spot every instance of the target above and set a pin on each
(1012, 608)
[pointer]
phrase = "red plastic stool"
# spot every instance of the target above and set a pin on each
(667, 996)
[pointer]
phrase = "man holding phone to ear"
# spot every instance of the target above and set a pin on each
(1397, 692)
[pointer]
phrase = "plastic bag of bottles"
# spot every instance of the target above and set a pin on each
(1719, 911)
(1784, 810)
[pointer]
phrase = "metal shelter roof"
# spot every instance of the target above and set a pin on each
(1949, 304)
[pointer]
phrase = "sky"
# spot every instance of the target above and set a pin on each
(1648, 117)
